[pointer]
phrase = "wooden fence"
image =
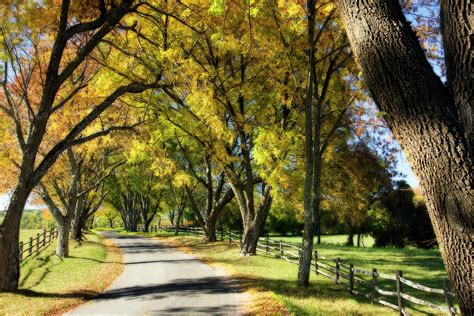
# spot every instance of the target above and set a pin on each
(36, 244)
(359, 282)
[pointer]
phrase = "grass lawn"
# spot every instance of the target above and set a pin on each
(51, 285)
(25, 234)
(366, 241)
(323, 297)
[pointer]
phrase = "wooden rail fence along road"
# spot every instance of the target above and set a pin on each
(370, 284)
(36, 244)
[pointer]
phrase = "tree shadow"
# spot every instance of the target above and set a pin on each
(79, 294)
(44, 261)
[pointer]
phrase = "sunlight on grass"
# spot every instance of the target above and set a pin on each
(26, 234)
(324, 296)
(49, 284)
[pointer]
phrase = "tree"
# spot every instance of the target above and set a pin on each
(63, 71)
(431, 120)
(356, 177)
(68, 194)
(399, 220)
(97, 165)
(319, 60)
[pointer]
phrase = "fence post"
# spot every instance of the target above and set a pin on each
(316, 262)
(338, 265)
(30, 250)
(446, 289)
(281, 249)
(37, 242)
(401, 306)
(351, 279)
(44, 237)
(374, 285)
(267, 249)
(21, 251)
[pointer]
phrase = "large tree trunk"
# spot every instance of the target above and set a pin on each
(254, 228)
(62, 247)
(77, 230)
(9, 235)
(425, 117)
(211, 229)
(250, 239)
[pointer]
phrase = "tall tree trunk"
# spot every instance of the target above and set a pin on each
(425, 117)
(111, 223)
(304, 266)
(358, 240)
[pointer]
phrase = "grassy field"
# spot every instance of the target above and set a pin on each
(51, 285)
(366, 241)
(323, 297)
(25, 234)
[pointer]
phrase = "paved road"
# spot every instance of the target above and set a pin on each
(161, 280)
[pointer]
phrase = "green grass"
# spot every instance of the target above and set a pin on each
(324, 297)
(49, 284)
(25, 234)
(367, 241)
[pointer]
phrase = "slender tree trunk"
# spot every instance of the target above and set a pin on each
(111, 223)
(350, 239)
(358, 240)
(425, 116)
(309, 221)
(178, 220)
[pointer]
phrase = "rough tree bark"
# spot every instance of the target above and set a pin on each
(431, 121)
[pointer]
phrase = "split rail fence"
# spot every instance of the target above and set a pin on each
(37, 244)
(359, 282)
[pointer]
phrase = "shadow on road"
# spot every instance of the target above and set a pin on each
(182, 287)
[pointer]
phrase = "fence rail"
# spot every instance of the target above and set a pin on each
(347, 276)
(37, 244)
